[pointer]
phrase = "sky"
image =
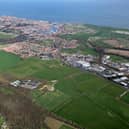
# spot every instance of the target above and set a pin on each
(62, 0)
(123, 2)
(80, 1)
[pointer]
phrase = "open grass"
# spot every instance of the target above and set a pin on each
(65, 127)
(46, 70)
(8, 60)
(82, 38)
(46, 42)
(4, 35)
(125, 98)
(94, 103)
(80, 96)
(81, 50)
(119, 59)
(1, 121)
(50, 100)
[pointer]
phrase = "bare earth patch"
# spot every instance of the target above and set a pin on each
(117, 52)
(121, 32)
(53, 123)
(19, 111)
(114, 43)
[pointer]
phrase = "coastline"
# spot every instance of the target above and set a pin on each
(100, 14)
(71, 22)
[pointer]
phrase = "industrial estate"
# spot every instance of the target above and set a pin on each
(63, 76)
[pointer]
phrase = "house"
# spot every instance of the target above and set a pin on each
(118, 80)
(83, 64)
(123, 78)
(15, 83)
(29, 84)
(124, 84)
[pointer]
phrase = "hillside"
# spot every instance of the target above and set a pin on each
(94, 101)
(75, 76)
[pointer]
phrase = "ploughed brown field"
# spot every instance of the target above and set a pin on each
(114, 43)
(123, 53)
(20, 112)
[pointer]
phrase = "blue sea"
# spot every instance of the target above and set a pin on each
(99, 12)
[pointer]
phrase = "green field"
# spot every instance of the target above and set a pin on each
(46, 42)
(1, 121)
(86, 47)
(8, 60)
(83, 48)
(118, 59)
(94, 104)
(125, 98)
(57, 99)
(65, 127)
(80, 96)
(4, 35)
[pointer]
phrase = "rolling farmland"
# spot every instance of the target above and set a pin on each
(93, 100)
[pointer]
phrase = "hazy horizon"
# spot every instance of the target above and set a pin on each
(98, 12)
(96, 1)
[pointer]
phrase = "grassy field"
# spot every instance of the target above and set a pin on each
(57, 99)
(86, 47)
(81, 50)
(119, 59)
(82, 97)
(1, 121)
(90, 99)
(8, 60)
(6, 35)
(94, 104)
(65, 127)
(125, 98)
(46, 42)
(82, 38)
(79, 96)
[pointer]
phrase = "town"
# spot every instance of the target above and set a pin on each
(48, 68)
(40, 39)
(116, 72)
(34, 38)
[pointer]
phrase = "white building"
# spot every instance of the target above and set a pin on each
(84, 64)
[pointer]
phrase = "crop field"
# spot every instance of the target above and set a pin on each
(6, 35)
(82, 97)
(118, 58)
(46, 70)
(125, 98)
(1, 120)
(65, 127)
(7, 60)
(117, 52)
(52, 100)
(108, 39)
(19, 111)
(57, 124)
(94, 103)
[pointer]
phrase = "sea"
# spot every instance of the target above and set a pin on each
(114, 13)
